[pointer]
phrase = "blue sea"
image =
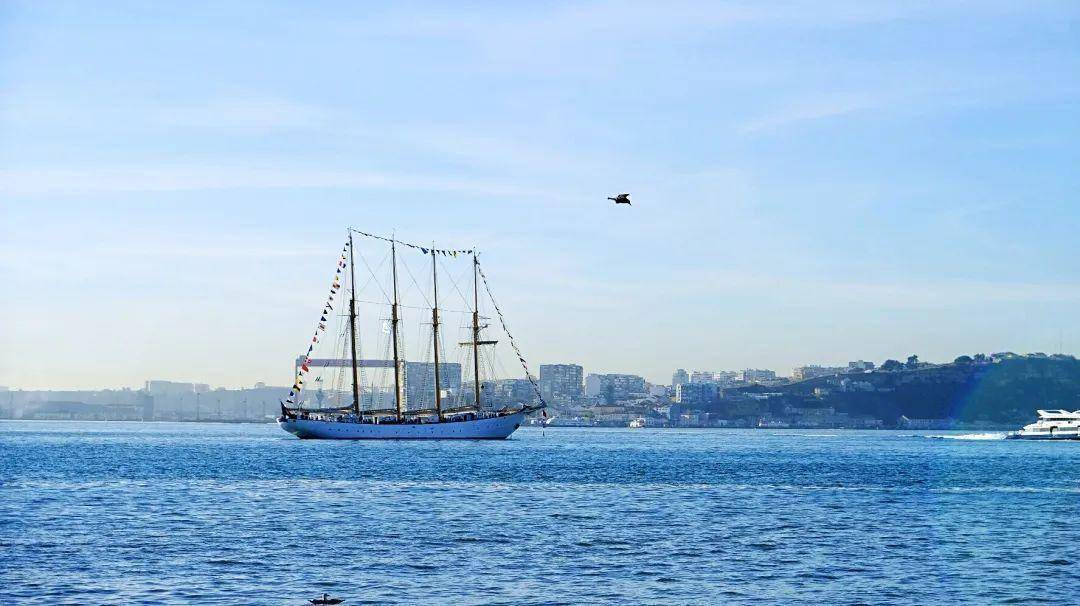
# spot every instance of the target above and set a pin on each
(157, 513)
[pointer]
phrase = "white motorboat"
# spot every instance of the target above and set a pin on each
(1051, 425)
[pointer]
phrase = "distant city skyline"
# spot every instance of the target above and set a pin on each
(813, 184)
(565, 376)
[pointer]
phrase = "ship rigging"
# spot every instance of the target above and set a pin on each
(429, 400)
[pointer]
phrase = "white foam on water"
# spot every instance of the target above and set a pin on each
(972, 436)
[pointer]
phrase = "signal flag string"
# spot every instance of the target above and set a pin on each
(446, 252)
(298, 384)
(517, 351)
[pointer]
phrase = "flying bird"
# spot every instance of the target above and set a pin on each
(621, 199)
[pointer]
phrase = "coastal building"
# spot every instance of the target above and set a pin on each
(850, 385)
(561, 382)
(702, 376)
(673, 412)
(113, 404)
(613, 387)
(679, 377)
(174, 388)
(593, 386)
(906, 423)
(727, 377)
(509, 392)
(142, 410)
(860, 365)
(690, 395)
(657, 391)
(420, 382)
(812, 371)
(758, 375)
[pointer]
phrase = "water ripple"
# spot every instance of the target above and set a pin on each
(95, 513)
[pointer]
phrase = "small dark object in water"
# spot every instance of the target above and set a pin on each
(326, 599)
(622, 199)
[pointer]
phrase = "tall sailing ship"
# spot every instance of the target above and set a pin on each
(353, 398)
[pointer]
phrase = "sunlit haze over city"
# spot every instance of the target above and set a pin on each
(812, 183)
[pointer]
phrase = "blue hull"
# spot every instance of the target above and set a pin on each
(494, 428)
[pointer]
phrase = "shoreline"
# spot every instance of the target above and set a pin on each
(1002, 428)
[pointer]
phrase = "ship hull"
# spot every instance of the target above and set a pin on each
(1044, 436)
(494, 428)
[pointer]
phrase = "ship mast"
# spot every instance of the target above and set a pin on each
(476, 334)
(435, 334)
(394, 318)
(352, 329)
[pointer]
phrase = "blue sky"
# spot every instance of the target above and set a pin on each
(813, 182)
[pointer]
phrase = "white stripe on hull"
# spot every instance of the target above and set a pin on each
(1044, 436)
(496, 428)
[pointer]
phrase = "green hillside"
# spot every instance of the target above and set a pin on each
(1006, 391)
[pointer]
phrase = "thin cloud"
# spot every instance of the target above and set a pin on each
(881, 295)
(812, 110)
(244, 112)
(254, 113)
(38, 182)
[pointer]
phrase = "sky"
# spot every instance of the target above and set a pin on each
(812, 182)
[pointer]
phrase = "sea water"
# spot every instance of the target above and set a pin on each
(130, 513)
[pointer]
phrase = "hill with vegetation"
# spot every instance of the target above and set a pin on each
(1001, 389)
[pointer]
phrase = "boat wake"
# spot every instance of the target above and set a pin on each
(999, 435)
